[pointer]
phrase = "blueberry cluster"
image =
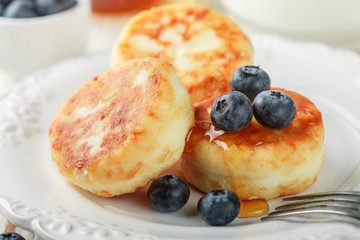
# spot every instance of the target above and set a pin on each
(33, 8)
(11, 236)
(170, 193)
(233, 111)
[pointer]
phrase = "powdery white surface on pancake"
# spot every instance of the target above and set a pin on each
(122, 128)
(256, 162)
(205, 47)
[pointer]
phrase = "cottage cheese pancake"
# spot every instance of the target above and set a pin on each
(123, 128)
(256, 162)
(205, 47)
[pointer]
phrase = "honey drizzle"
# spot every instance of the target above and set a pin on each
(248, 208)
(253, 208)
(251, 137)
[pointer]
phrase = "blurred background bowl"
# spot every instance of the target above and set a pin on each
(28, 44)
(329, 21)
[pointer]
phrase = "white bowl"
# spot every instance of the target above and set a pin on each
(28, 44)
(322, 20)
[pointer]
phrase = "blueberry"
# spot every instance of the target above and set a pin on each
(274, 109)
(4, 2)
(11, 236)
(219, 207)
(168, 193)
(20, 9)
(231, 111)
(250, 80)
(46, 7)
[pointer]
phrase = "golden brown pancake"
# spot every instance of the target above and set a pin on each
(205, 47)
(256, 162)
(123, 128)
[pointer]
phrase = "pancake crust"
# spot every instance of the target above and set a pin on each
(205, 47)
(256, 162)
(123, 128)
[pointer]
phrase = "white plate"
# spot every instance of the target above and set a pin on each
(34, 196)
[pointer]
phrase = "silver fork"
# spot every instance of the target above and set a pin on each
(339, 206)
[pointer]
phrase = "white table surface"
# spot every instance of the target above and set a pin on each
(102, 34)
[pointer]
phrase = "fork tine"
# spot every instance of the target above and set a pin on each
(324, 202)
(344, 195)
(343, 211)
(313, 218)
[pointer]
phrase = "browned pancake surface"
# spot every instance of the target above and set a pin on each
(256, 162)
(205, 47)
(123, 128)
(307, 115)
(118, 120)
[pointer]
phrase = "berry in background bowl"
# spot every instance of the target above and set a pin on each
(38, 33)
(33, 8)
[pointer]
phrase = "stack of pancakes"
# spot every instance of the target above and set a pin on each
(126, 126)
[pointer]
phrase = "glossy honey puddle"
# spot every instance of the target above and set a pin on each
(253, 208)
